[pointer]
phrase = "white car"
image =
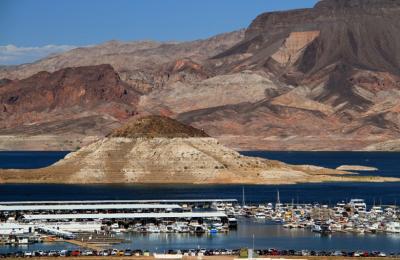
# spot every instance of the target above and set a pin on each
(63, 253)
(87, 253)
(382, 254)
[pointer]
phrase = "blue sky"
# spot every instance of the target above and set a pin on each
(49, 24)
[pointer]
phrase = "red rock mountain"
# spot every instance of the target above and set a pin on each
(341, 63)
(73, 100)
(324, 78)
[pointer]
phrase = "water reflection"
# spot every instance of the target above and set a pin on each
(267, 235)
(37, 247)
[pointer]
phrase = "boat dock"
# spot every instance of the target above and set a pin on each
(86, 202)
(66, 219)
(126, 216)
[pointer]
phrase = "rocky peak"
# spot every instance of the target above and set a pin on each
(157, 126)
(346, 4)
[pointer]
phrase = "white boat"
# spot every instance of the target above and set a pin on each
(377, 210)
(358, 204)
(218, 206)
(11, 227)
(373, 227)
(153, 229)
(393, 227)
(91, 226)
(232, 221)
(198, 228)
(316, 228)
(260, 215)
(22, 240)
(336, 227)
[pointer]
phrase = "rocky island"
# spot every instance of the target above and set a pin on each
(157, 149)
(356, 168)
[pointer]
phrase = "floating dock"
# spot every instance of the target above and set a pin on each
(71, 207)
(85, 202)
(175, 215)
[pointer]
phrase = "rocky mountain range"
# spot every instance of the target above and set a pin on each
(324, 78)
(155, 149)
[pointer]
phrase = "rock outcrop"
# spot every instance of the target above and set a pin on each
(356, 168)
(169, 153)
(156, 126)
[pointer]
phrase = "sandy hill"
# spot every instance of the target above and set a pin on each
(168, 153)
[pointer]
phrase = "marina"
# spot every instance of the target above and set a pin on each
(117, 225)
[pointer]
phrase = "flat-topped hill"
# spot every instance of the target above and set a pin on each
(157, 126)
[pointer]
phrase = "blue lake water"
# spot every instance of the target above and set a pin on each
(28, 160)
(386, 162)
(387, 193)
(38, 247)
(266, 235)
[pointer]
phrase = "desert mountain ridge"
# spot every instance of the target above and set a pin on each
(172, 153)
(323, 78)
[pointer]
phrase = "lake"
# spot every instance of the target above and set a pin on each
(266, 235)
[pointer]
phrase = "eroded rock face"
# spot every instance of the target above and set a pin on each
(339, 62)
(293, 47)
(94, 94)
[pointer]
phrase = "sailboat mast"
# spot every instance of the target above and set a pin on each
(278, 199)
(243, 198)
